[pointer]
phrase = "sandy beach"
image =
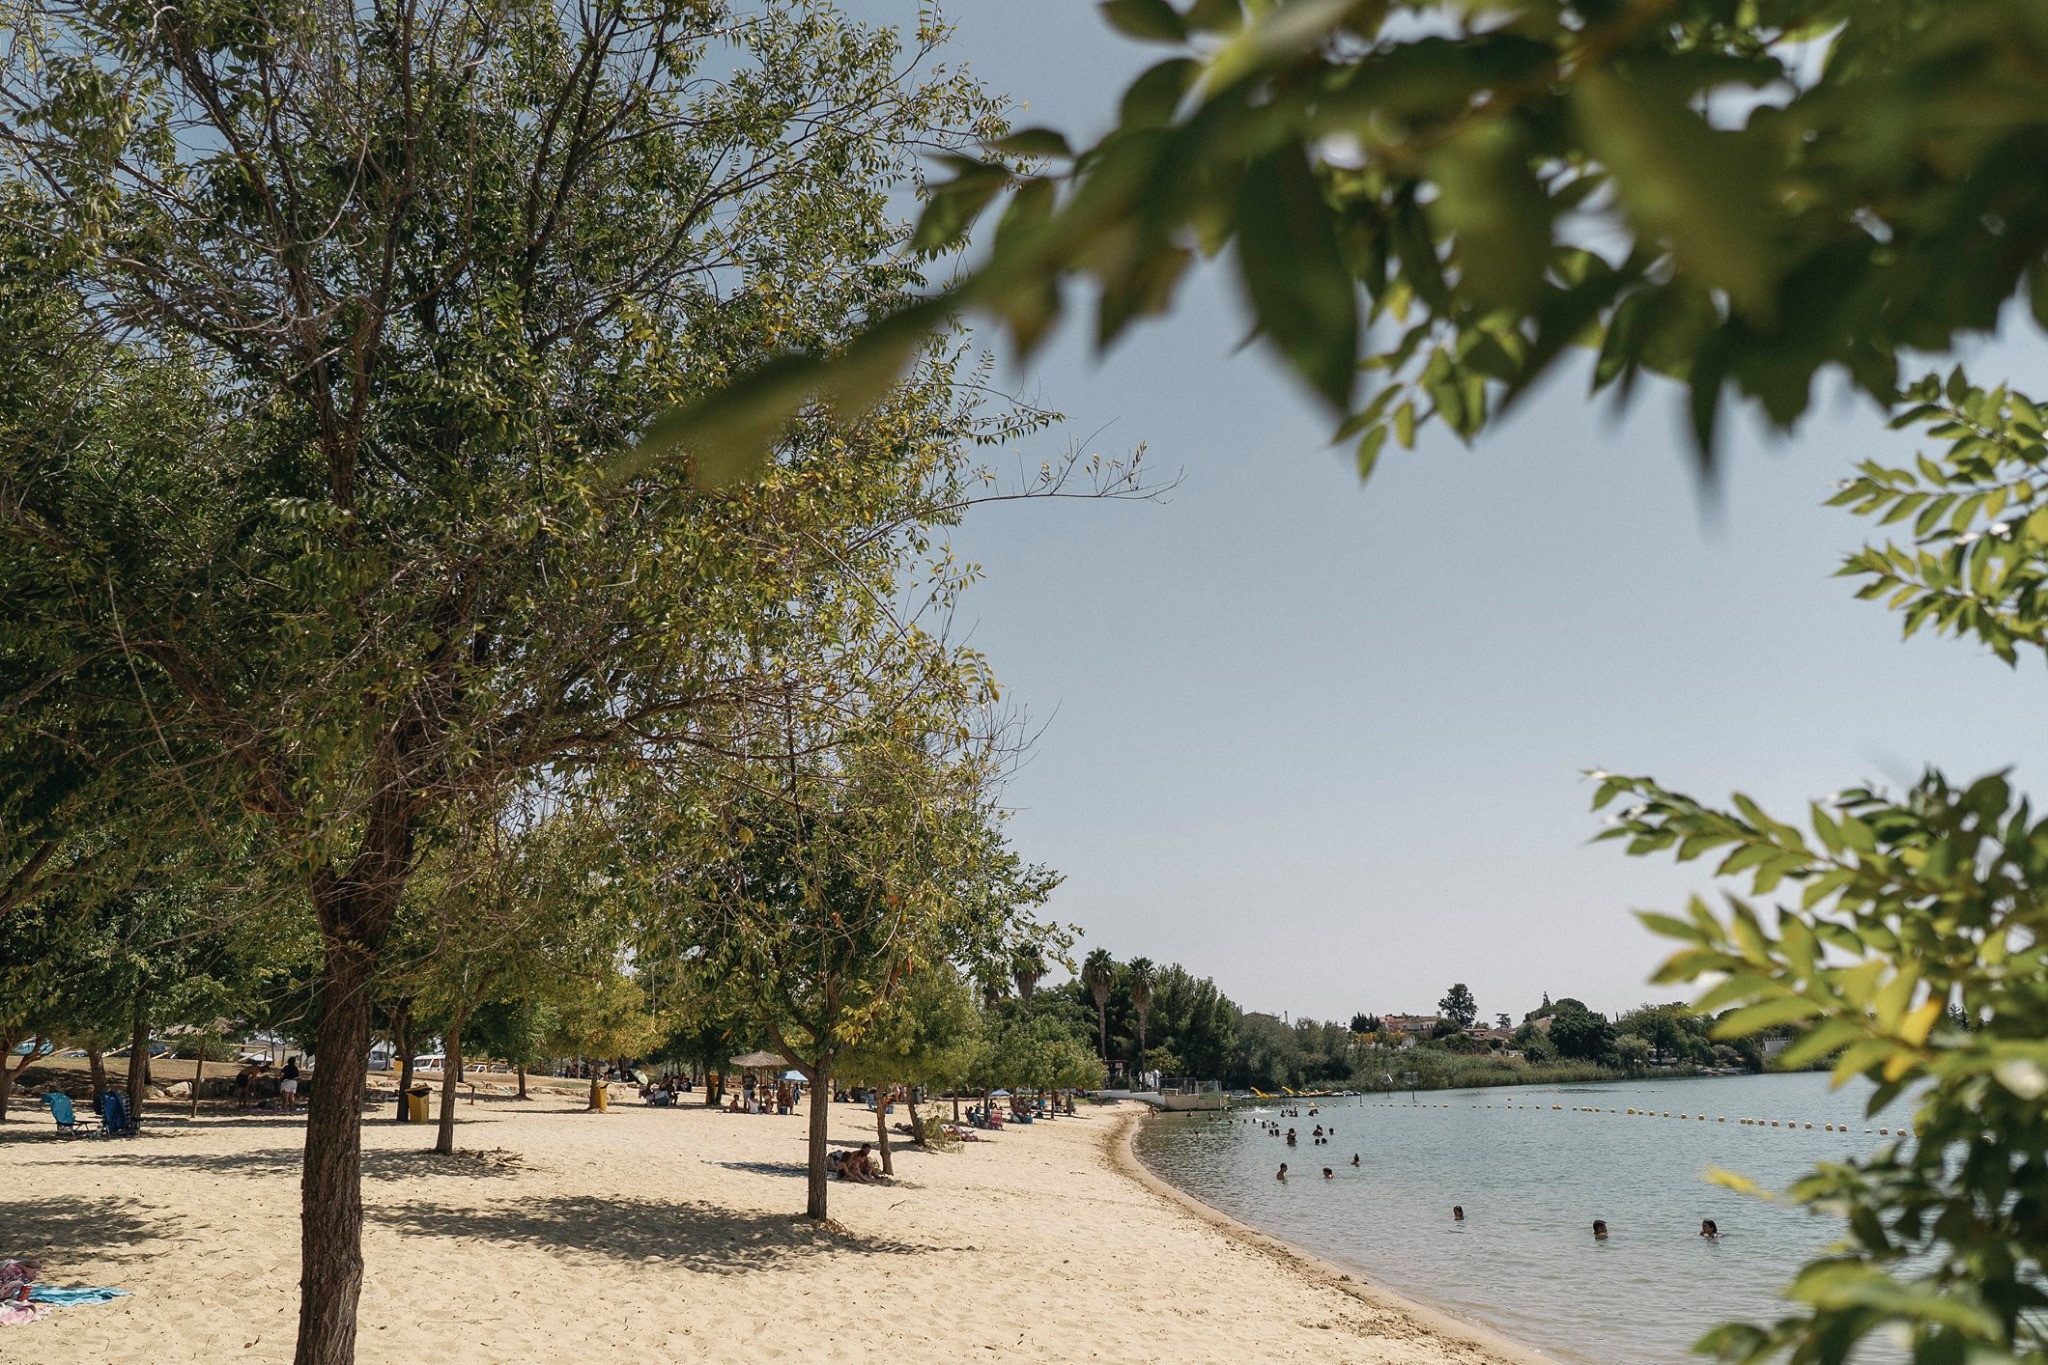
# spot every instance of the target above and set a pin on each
(674, 1234)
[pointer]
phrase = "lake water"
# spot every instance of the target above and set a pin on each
(1532, 1178)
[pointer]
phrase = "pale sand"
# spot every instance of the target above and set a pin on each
(620, 1236)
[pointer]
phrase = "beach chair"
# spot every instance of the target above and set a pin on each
(116, 1119)
(68, 1121)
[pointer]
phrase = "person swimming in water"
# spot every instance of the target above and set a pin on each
(1354, 1158)
(1599, 1229)
(1328, 1174)
(1290, 1137)
(1281, 1175)
(1457, 1213)
(1709, 1228)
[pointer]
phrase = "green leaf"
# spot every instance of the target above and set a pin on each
(1786, 1009)
(1154, 98)
(1489, 200)
(1702, 190)
(955, 204)
(1287, 255)
(1043, 144)
(1369, 450)
(1145, 20)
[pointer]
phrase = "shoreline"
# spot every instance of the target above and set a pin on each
(677, 1234)
(1311, 1267)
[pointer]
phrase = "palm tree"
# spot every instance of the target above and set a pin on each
(1098, 974)
(1026, 969)
(1139, 975)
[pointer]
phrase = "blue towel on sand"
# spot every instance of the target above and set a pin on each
(49, 1293)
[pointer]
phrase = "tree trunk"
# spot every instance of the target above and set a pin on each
(9, 1077)
(1102, 1032)
(593, 1089)
(451, 1072)
(198, 1072)
(819, 1178)
(96, 1065)
(401, 1037)
(354, 919)
(917, 1134)
(522, 1083)
(882, 1131)
(138, 1058)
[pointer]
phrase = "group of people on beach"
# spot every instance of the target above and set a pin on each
(857, 1166)
(251, 1076)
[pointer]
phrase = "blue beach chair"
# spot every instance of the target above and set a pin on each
(115, 1116)
(61, 1110)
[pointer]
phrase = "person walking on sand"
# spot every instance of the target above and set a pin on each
(288, 1085)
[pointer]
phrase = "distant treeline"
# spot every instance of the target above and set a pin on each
(1190, 1028)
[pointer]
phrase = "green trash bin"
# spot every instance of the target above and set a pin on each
(416, 1103)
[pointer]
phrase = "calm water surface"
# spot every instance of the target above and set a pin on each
(1532, 1178)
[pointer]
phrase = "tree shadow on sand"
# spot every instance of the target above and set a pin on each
(698, 1237)
(377, 1165)
(57, 1230)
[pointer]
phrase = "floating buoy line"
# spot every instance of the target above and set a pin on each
(1789, 1125)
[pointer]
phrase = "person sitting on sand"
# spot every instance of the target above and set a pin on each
(1281, 1176)
(1599, 1229)
(857, 1167)
(1708, 1228)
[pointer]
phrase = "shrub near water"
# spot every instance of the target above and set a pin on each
(1437, 1070)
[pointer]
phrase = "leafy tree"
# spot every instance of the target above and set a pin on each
(1534, 1044)
(1044, 1048)
(1580, 1033)
(1447, 197)
(1674, 1029)
(1888, 912)
(325, 331)
(818, 888)
(1631, 1053)
(1365, 1023)
(1458, 1006)
(930, 1036)
(516, 1031)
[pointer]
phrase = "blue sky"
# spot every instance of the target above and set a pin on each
(1321, 741)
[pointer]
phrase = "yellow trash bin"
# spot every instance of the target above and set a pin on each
(416, 1104)
(604, 1095)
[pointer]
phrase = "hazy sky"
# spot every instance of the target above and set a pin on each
(1322, 741)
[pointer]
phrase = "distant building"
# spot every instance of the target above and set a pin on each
(1414, 1025)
